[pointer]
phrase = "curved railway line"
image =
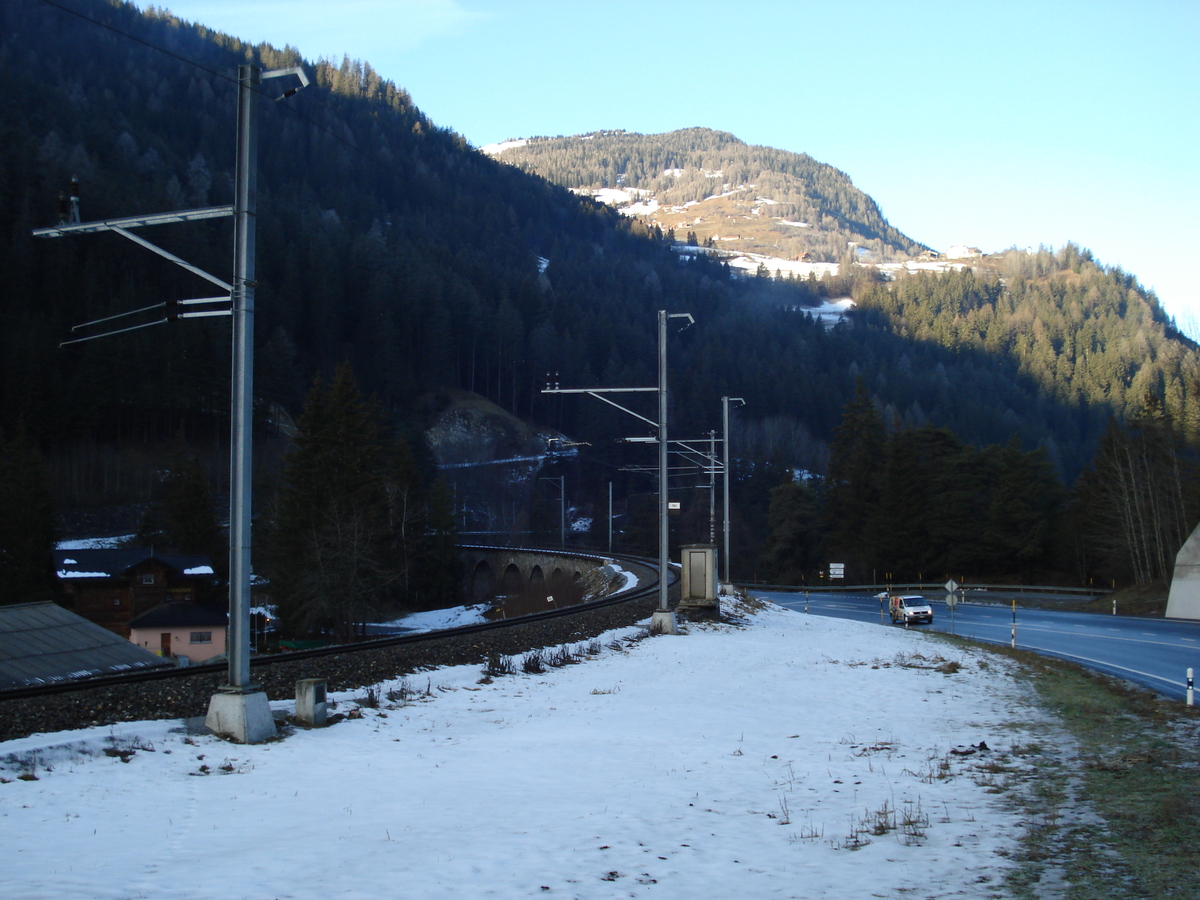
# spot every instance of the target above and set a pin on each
(184, 693)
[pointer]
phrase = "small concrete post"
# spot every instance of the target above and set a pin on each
(244, 717)
(310, 701)
(663, 621)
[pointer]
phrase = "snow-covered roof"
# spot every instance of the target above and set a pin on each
(108, 562)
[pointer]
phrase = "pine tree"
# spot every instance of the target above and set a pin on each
(1019, 520)
(852, 499)
(423, 531)
(331, 552)
(791, 553)
(898, 531)
(440, 575)
(357, 533)
(184, 520)
(1134, 500)
(957, 497)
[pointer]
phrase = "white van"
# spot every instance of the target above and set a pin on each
(909, 608)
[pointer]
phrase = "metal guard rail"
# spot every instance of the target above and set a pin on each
(930, 587)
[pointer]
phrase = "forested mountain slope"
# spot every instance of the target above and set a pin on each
(1087, 334)
(382, 239)
(387, 242)
(1040, 344)
(721, 190)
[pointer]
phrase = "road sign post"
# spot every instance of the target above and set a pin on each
(951, 600)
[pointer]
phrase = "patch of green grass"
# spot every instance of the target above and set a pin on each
(1142, 600)
(1114, 804)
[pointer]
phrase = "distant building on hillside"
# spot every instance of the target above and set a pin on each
(962, 251)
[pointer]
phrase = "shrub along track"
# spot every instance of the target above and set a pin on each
(184, 693)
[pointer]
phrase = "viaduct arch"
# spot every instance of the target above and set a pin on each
(492, 571)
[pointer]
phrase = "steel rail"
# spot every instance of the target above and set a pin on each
(164, 674)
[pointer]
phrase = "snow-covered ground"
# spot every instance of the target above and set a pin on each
(497, 149)
(435, 619)
(830, 312)
(100, 543)
(748, 263)
(793, 756)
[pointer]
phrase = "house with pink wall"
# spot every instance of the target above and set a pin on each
(179, 629)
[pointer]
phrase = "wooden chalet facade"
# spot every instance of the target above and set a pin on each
(112, 586)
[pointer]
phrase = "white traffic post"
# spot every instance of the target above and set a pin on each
(1190, 693)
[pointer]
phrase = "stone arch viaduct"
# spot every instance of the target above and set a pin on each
(493, 571)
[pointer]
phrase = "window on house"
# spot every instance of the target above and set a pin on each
(200, 637)
(148, 578)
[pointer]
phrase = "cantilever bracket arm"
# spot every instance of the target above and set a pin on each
(167, 218)
(597, 392)
(217, 306)
(121, 226)
(702, 461)
(195, 270)
(688, 448)
(298, 71)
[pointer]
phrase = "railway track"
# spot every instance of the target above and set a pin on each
(184, 693)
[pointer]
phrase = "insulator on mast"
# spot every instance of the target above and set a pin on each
(74, 198)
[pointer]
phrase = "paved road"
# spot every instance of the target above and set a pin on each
(1153, 652)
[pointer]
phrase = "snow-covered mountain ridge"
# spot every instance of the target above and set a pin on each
(763, 211)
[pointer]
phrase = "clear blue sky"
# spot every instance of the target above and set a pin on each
(991, 124)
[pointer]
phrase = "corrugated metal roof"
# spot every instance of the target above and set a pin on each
(43, 643)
